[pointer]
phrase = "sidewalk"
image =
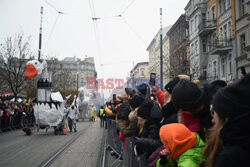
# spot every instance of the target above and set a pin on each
(84, 152)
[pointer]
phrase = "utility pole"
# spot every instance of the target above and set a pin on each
(161, 62)
(40, 34)
(77, 66)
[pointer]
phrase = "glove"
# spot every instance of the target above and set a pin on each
(163, 159)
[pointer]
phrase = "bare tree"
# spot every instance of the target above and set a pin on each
(14, 53)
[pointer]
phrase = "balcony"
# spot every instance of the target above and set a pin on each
(247, 48)
(220, 47)
(207, 27)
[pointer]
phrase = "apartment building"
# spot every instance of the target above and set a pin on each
(242, 35)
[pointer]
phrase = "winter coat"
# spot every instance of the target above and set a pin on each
(109, 112)
(152, 160)
(235, 138)
(160, 97)
(190, 158)
(156, 113)
(128, 128)
(149, 140)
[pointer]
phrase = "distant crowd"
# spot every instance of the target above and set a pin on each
(15, 115)
(185, 125)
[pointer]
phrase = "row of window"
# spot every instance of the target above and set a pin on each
(224, 5)
(194, 24)
(242, 7)
(225, 67)
(226, 31)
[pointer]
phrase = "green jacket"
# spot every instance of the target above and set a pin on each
(101, 111)
(190, 158)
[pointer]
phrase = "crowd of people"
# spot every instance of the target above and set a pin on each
(15, 115)
(185, 125)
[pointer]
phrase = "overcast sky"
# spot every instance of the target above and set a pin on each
(115, 42)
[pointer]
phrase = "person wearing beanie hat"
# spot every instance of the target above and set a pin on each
(148, 139)
(166, 96)
(170, 85)
(191, 102)
(136, 101)
(182, 147)
(143, 88)
(187, 96)
(144, 110)
(229, 141)
(129, 127)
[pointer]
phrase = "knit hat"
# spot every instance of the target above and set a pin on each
(136, 101)
(219, 83)
(234, 99)
(177, 138)
(143, 88)
(170, 85)
(144, 110)
(187, 96)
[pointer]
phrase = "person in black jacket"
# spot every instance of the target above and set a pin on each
(169, 112)
(148, 121)
(229, 141)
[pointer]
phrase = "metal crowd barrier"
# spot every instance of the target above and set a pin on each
(113, 137)
(13, 122)
(129, 159)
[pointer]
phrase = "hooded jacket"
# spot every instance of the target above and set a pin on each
(186, 147)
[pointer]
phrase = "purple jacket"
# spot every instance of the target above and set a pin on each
(152, 160)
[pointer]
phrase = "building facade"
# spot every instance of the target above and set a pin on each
(154, 55)
(71, 72)
(221, 44)
(140, 73)
(242, 35)
(196, 17)
(212, 39)
(179, 45)
(166, 60)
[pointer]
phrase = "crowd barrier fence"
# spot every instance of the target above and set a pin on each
(113, 141)
(12, 122)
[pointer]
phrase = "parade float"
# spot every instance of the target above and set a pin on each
(49, 106)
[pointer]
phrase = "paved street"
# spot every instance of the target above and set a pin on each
(17, 149)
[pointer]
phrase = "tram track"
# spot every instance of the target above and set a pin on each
(54, 156)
